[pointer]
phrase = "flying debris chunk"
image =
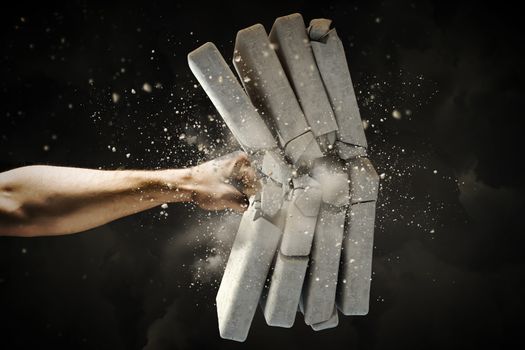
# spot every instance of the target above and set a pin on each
(364, 180)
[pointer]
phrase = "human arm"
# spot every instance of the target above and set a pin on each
(48, 200)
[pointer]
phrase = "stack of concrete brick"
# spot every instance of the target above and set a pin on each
(305, 243)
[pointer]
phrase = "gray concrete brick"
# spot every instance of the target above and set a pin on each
(301, 217)
(282, 296)
(332, 64)
(275, 167)
(227, 95)
(364, 181)
(272, 196)
(321, 279)
(269, 89)
(353, 290)
(245, 274)
(291, 43)
(311, 148)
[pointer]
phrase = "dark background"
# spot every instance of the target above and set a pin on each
(448, 263)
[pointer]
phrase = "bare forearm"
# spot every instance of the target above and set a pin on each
(46, 200)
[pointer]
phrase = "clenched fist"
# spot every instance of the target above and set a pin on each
(225, 182)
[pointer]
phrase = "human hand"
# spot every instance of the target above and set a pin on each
(224, 183)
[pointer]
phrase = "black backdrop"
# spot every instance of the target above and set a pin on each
(92, 85)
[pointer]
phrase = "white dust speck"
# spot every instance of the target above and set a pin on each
(396, 114)
(115, 97)
(147, 87)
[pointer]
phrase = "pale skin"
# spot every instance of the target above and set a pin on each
(47, 200)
